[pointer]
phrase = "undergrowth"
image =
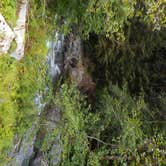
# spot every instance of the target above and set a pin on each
(113, 133)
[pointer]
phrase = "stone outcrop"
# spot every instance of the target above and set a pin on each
(77, 65)
(51, 121)
(19, 31)
(66, 55)
(6, 35)
(24, 149)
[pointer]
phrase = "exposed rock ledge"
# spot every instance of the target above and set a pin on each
(7, 35)
(20, 31)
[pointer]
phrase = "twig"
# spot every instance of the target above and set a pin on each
(105, 143)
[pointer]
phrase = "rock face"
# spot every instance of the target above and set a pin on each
(52, 119)
(24, 149)
(20, 31)
(6, 36)
(65, 55)
(27, 154)
(77, 67)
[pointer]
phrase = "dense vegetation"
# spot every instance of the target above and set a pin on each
(124, 123)
(19, 81)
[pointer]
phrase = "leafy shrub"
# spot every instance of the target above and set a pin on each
(113, 134)
(73, 136)
(107, 17)
(134, 61)
(8, 10)
(8, 105)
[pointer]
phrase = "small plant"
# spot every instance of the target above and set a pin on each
(73, 137)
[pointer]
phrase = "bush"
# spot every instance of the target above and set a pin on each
(112, 133)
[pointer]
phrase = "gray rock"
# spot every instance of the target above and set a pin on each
(6, 35)
(52, 118)
(23, 152)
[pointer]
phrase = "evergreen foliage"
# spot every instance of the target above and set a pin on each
(113, 133)
(125, 122)
(73, 136)
(108, 17)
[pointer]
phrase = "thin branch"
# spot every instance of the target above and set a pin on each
(155, 121)
(105, 143)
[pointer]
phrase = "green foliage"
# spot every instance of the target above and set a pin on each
(121, 116)
(126, 39)
(8, 10)
(101, 17)
(32, 69)
(73, 136)
(20, 81)
(18, 86)
(137, 61)
(8, 106)
(124, 123)
(156, 13)
(112, 133)
(108, 18)
(119, 125)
